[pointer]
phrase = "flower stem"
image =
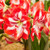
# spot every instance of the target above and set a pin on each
(27, 44)
(47, 46)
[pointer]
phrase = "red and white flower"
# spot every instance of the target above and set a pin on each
(38, 5)
(24, 4)
(17, 24)
(38, 24)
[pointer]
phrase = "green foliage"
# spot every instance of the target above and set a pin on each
(47, 4)
(1, 31)
(31, 3)
(35, 45)
(7, 2)
(45, 37)
(42, 43)
(37, 0)
(1, 36)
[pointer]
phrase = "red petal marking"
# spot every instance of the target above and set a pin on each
(32, 34)
(49, 9)
(38, 5)
(40, 15)
(26, 34)
(19, 32)
(23, 4)
(9, 29)
(38, 35)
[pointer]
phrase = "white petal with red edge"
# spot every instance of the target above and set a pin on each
(20, 14)
(35, 27)
(40, 14)
(32, 34)
(11, 20)
(34, 11)
(43, 17)
(25, 31)
(46, 24)
(16, 2)
(48, 15)
(11, 28)
(24, 22)
(1, 20)
(24, 6)
(19, 30)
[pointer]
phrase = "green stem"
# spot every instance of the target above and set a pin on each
(27, 44)
(45, 5)
(47, 46)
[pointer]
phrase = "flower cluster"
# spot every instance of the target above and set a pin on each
(16, 22)
(40, 21)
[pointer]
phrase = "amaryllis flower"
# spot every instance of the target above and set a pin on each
(1, 13)
(36, 6)
(38, 24)
(24, 4)
(17, 24)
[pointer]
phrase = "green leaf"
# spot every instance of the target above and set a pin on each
(47, 46)
(29, 15)
(37, 0)
(45, 37)
(47, 4)
(34, 44)
(42, 43)
(31, 3)
(1, 36)
(7, 2)
(1, 31)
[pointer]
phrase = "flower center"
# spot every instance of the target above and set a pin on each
(19, 22)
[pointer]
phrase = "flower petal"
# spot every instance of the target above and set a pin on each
(26, 34)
